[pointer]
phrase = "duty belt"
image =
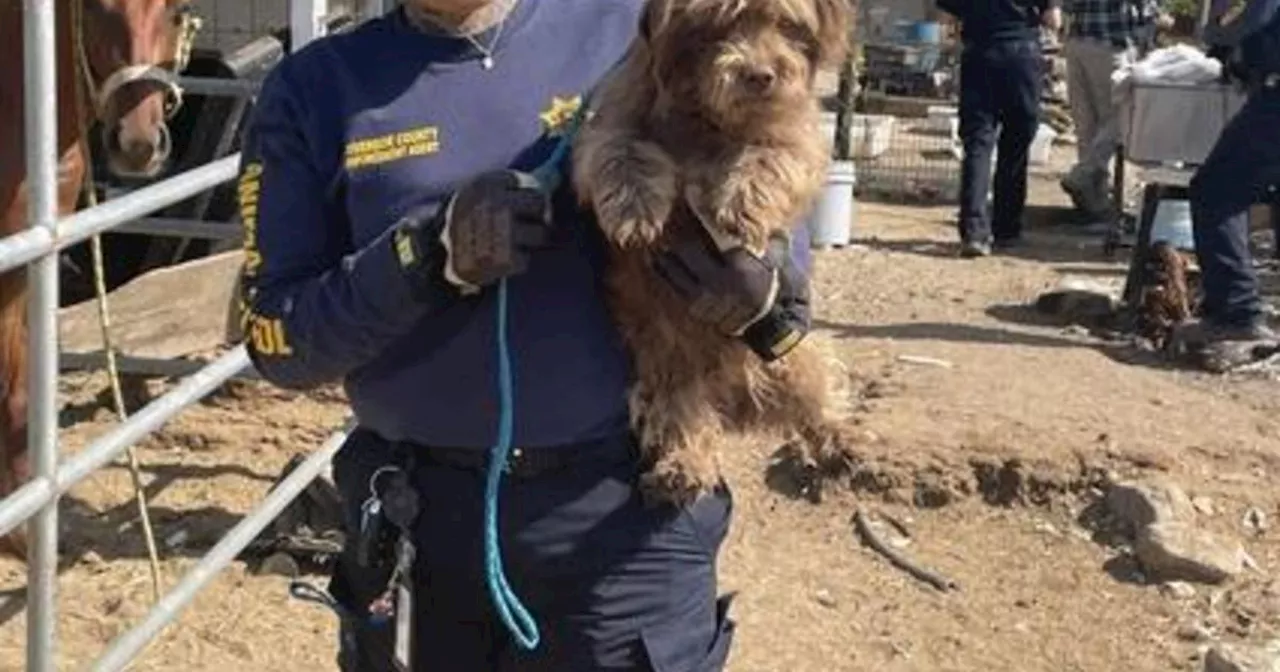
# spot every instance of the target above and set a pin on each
(528, 462)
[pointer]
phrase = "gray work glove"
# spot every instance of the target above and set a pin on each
(484, 232)
(762, 300)
(730, 289)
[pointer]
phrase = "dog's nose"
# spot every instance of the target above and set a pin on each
(759, 80)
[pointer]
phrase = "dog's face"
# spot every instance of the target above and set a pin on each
(741, 63)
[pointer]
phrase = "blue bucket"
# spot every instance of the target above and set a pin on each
(1172, 224)
(926, 32)
(831, 220)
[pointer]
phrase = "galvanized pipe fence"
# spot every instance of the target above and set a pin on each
(37, 247)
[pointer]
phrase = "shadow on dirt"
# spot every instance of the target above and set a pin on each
(945, 331)
(935, 249)
(1100, 337)
(1041, 247)
(116, 533)
(1052, 235)
(87, 535)
(1102, 333)
(12, 603)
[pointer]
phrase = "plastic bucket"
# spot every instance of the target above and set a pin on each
(830, 222)
(1172, 224)
(925, 32)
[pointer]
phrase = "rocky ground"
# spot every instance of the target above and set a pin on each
(1094, 506)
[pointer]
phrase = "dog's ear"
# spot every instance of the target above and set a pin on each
(835, 27)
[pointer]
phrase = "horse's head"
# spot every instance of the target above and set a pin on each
(130, 52)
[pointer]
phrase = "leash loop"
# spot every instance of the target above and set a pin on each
(511, 610)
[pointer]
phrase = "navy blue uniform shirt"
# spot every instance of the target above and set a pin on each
(354, 130)
(985, 21)
(1255, 33)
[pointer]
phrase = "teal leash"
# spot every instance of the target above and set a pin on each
(512, 611)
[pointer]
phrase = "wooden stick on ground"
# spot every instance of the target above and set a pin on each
(897, 559)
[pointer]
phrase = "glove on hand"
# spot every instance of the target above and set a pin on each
(730, 289)
(485, 232)
(762, 301)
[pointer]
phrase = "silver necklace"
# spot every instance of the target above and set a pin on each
(486, 60)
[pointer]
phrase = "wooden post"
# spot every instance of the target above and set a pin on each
(846, 94)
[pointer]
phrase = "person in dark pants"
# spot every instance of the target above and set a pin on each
(1001, 71)
(390, 179)
(1242, 169)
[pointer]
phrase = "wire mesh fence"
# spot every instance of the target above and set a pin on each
(904, 131)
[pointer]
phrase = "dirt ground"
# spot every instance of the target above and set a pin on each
(991, 461)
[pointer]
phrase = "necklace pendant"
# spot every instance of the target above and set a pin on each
(487, 63)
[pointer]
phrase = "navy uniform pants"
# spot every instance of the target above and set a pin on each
(612, 584)
(1000, 86)
(1240, 171)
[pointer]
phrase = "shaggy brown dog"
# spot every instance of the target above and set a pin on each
(713, 111)
(1166, 300)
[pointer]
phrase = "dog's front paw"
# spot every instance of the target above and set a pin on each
(634, 196)
(633, 216)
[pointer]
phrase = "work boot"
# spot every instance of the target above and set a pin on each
(1226, 347)
(972, 249)
(1088, 196)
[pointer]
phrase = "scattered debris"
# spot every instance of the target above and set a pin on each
(1255, 521)
(1204, 505)
(1194, 632)
(176, 540)
(1243, 658)
(926, 361)
(1266, 364)
(1047, 528)
(1178, 590)
(825, 598)
(897, 559)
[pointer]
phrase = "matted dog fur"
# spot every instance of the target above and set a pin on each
(713, 111)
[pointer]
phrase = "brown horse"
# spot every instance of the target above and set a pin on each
(116, 65)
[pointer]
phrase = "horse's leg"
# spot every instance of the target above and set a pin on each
(15, 463)
(15, 458)
(13, 343)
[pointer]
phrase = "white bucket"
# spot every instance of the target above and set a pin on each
(1041, 146)
(1172, 223)
(831, 220)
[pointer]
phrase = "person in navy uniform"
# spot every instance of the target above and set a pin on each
(1242, 169)
(385, 189)
(1001, 71)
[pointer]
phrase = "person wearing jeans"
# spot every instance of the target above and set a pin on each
(1242, 169)
(1001, 71)
(1103, 36)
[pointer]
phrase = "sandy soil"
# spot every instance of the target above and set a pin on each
(991, 462)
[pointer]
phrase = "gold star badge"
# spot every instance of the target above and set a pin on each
(556, 117)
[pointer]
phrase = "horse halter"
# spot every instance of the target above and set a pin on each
(100, 95)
